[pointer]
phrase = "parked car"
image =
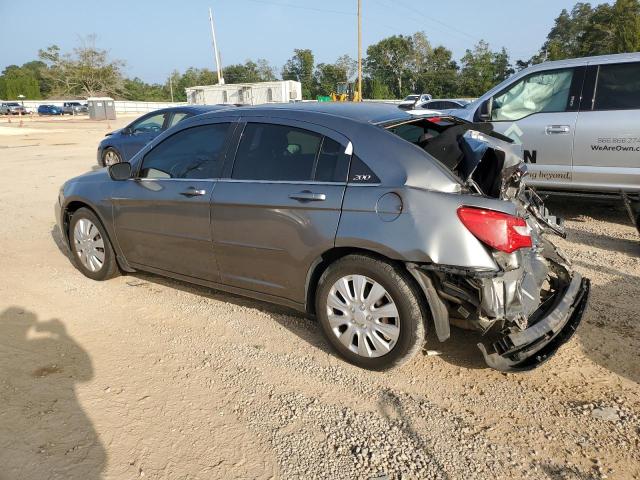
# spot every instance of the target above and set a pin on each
(373, 220)
(121, 145)
(442, 104)
(74, 108)
(414, 99)
(577, 121)
(12, 108)
(50, 110)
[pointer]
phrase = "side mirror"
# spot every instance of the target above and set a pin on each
(120, 171)
(484, 113)
(127, 130)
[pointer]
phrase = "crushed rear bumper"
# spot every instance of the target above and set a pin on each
(529, 348)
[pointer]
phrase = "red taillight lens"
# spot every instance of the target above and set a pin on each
(496, 229)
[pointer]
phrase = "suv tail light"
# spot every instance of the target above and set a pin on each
(498, 230)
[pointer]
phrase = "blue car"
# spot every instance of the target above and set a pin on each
(49, 110)
(121, 145)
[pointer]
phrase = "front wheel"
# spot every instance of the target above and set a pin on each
(91, 249)
(371, 312)
(110, 157)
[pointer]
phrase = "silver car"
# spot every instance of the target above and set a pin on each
(379, 223)
(577, 121)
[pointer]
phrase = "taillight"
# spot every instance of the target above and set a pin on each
(496, 229)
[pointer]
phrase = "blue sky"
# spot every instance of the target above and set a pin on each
(156, 37)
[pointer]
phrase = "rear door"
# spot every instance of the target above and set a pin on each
(539, 112)
(279, 209)
(162, 216)
(607, 143)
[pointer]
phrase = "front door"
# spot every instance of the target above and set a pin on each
(607, 145)
(142, 132)
(539, 112)
(280, 209)
(163, 216)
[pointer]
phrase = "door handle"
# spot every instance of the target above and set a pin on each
(193, 192)
(307, 196)
(557, 129)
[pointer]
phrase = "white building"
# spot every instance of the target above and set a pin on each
(246, 93)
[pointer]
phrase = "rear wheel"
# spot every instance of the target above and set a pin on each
(90, 247)
(370, 312)
(110, 157)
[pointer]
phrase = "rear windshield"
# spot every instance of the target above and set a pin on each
(441, 137)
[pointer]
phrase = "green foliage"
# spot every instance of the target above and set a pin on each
(300, 68)
(482, 69)
(249, 72)
(586, 30)
(16, 81)
(389, 61)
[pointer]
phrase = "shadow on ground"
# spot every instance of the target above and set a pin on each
(44, 432)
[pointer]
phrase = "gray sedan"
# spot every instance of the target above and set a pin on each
(378, 223)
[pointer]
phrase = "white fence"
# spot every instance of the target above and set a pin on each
(122, 106)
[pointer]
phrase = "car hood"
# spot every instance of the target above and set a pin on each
(115, 132)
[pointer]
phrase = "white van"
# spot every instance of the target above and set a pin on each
(578, 121)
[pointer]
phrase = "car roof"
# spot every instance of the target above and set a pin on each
(364, 112)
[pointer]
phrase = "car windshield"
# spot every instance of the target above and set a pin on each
(13, 104)
(412, 97)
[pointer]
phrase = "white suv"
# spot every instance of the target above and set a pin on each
(578, 121)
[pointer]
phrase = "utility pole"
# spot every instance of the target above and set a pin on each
(171, 87)
(360, 50)
(215, 50)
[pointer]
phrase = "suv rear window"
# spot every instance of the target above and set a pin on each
(618, 87)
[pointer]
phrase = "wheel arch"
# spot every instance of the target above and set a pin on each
(319, 266)
(76, 204)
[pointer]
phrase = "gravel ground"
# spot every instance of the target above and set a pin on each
(143, 376)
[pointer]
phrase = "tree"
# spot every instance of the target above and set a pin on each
(389, 60)
(86, 72)
(588, 30)
(136, 89)
(439, 76)
(16, 81)
(483, 69)
(300, 68)
(249, 72)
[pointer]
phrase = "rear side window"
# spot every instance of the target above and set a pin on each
(333, 163)
(285, 153)
(196, 153)
(618, 87)
(178, 117)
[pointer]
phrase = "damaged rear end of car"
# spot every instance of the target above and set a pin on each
(530, 301)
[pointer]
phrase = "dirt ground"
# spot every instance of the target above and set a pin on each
(141, 376)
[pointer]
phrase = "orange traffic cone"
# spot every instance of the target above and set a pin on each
(21, 123)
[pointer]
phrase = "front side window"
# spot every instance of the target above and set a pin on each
(152, 124)
(537, 93)
(618, 87)
(196, 152)
(284, 153)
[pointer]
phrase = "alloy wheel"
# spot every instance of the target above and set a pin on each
(111, 158)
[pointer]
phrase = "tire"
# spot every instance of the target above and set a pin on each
(110, 153)
(87, 233)
(404, 329)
